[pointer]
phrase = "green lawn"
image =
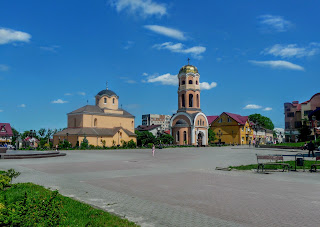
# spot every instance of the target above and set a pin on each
(307, 165)
(67, 211)
(299, 144)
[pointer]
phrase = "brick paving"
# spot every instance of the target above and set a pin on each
(180, 187)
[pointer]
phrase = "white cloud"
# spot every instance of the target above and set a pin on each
(1, 111)
(10, 36)
(128, 45)
(292, 50)
(131, 81)
(50, 48)
(81, 93)
(145, 74)
(165, 79)
(4, 68)
(169, 79)
(207, 86)
(143, 8)
(22, 105)
(67, 94)
(252, 106)
(59, 101)
(170, 32)
(278, 64)
(267, 109)
(274, 23)
(195, 51)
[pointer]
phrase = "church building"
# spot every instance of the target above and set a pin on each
(103, 124)
(189, 126)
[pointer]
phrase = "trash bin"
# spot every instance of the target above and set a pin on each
(299, 161)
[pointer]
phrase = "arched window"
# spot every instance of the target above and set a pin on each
(190, 100)
(185, 136)
(113, 100)
(198, 103)
(95, 122)
(198, 122)
(190, 81)
(183, 82)
(196, 82)
(105, 100)
(75, 122)
(202, 122)
(183, 101)
(132, 125)
(178, 136)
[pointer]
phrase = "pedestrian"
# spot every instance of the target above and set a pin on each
(311, 148)
(254, 143)
(57, 147)
(249, 143)
(153, 149)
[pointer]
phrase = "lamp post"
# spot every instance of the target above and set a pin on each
(219, 134)
(314, 119)
(67, 140)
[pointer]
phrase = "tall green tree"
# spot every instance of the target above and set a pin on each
(42, 132)
(144, 137)
(211, 136)
(262, 121)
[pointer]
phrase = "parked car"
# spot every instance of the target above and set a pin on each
(11, 147)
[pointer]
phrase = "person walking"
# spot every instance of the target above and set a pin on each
(153, 149)
(311, 148)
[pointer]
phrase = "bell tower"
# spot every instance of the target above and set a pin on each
(189, 89)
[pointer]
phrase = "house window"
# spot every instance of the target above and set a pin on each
(120, 135)
(178, 137)
(105, 100)
(220, 120)
(242, 128)
(290, 114)
(229, 120)
(95, 122)
(307, 112)
(185, 136)
(190, 81)
(190, 100)
(183, 100)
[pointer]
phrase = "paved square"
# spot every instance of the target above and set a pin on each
(180, 187)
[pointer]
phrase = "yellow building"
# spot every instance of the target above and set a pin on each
(189, 125)
(103, 124)
(231, 128)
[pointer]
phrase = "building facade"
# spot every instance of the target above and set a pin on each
(157, 119)
(5, 134)
(189, 125)
(154, 129)
(296, 113)
(103, 124)
(231, 128)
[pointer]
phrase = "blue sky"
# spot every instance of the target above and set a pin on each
(252, 56)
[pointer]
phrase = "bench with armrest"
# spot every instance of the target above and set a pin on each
(314, 166)
(271, 160)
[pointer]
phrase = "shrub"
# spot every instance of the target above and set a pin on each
(91, 146)
(11, 173)
(4, 181)
(150, 145)
(131, 144)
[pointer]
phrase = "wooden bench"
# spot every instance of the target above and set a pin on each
(314, 166)
(271, 160)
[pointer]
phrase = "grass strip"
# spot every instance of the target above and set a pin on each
(307, 165)
(74, 213)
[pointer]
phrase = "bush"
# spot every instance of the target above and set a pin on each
(131, 144)
(11, 173)
(150, 145)
(4, 181)
(91, 146)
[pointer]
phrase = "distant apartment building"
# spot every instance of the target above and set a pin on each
(157, 119)
(295, 113)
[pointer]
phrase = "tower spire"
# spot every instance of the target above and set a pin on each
(188, 61)
(107, 85)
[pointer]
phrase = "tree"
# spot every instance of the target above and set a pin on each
(16, 134)
(304, 131)
(263, 121)
(166, 139)
(144, 137)
(211, 136)
(42, 132)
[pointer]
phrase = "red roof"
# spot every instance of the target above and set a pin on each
(238, 118)
(167, 132)
(211, 119)
(147, 127)
(5, 129)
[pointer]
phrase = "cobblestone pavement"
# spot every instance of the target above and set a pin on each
(180, 187)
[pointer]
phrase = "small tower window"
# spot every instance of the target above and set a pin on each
(95, 122)
(183, 101)
(190, 81)
(196, 82)
(113, 100)
(105, 100)
(183, 82)
(190, 100)
(198, 122)
(198, 103)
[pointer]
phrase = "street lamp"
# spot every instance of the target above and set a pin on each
(219, 134)
(67, 140)
(314, 119)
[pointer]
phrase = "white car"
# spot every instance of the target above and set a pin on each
(10, 147)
